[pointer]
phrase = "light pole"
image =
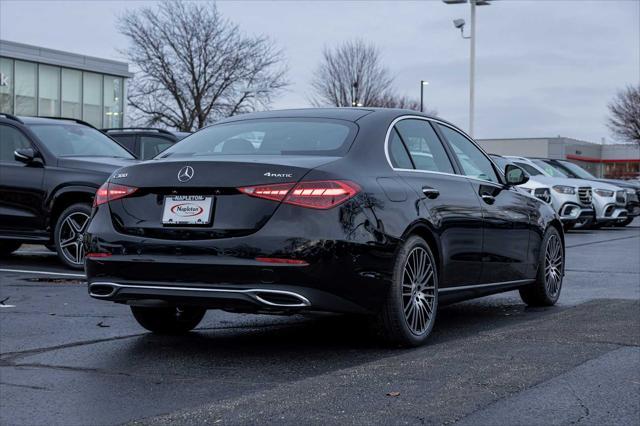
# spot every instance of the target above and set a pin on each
(459, 23)
(422, 84)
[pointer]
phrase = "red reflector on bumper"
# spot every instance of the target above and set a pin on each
(95, 255)
(282, 261)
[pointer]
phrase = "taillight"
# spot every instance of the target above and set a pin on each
(111, 191)
(322, 194)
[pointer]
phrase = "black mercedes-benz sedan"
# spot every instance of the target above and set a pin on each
(380, 212)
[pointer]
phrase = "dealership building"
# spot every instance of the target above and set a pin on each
(602, 160)
(36, 81)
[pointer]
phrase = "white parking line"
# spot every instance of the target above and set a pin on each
(26, 271)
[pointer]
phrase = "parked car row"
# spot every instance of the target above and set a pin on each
(579, 198)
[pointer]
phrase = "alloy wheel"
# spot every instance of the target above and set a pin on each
(418, 290)
(553, 266)
(71, 237)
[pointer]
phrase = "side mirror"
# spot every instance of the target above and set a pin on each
(515, 175)
(24, 155)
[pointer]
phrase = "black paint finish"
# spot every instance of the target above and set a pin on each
(349, 249)
(31, 194)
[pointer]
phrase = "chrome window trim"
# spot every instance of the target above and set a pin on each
(474, 286)
(419, 117)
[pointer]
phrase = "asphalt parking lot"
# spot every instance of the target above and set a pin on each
(68, 359)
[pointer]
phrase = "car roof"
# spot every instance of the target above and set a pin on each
(44, 120)
(337, 113)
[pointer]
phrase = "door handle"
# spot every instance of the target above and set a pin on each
(430, 193)
(489, 199)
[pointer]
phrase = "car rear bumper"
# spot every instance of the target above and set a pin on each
(349, 273)
(258, 298)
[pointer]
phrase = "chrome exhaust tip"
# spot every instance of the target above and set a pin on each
(99, 289)
(280, 298)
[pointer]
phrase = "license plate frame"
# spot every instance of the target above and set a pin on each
(182, 210)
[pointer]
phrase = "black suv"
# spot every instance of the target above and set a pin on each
(144, 142)
(50, 170)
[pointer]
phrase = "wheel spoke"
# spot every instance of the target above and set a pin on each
(418, 290)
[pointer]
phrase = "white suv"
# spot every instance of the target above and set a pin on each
(572, 199)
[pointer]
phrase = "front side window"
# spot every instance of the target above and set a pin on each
(285, 136)
(549, 169)
(532, 171)
(74, 140)
(424, 146)
(474, 163)
(574, 170)
(10, 140)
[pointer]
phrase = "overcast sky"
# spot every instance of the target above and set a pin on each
(544, 67)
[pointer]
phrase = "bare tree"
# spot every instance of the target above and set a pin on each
(403, 102)
(194, 67)
(352, 74)
(624, 121)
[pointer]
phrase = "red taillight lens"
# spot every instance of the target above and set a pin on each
(111, 191)
(322, 194)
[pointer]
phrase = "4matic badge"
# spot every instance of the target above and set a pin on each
(280, 175)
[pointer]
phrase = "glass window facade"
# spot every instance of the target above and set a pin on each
(48, 91)
(32, 89)
(71, 93)
(92, 98)
(25, 88)
(6, 85)
(112, 101)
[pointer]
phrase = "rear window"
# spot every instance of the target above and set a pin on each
(74, 140)
(269, 137)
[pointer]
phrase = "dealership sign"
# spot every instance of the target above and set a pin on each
(4, 79)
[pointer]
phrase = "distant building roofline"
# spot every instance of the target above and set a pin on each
(541, 139)
(44, 55)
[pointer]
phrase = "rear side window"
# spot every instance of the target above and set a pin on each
(10, 140)
(150, 146)
(397, 152)
(286, 136)
(128, 141)
(424, 146)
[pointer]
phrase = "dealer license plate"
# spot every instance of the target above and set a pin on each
(187, 210)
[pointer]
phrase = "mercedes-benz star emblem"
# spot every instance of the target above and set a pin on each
(185, 173)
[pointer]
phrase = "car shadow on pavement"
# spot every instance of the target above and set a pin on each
(310, 346)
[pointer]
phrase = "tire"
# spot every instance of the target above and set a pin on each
(8, 247)
(545, 291)
(173, 320)
(624, 222)
(568, 226)
(69, 233)
(414, 291)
